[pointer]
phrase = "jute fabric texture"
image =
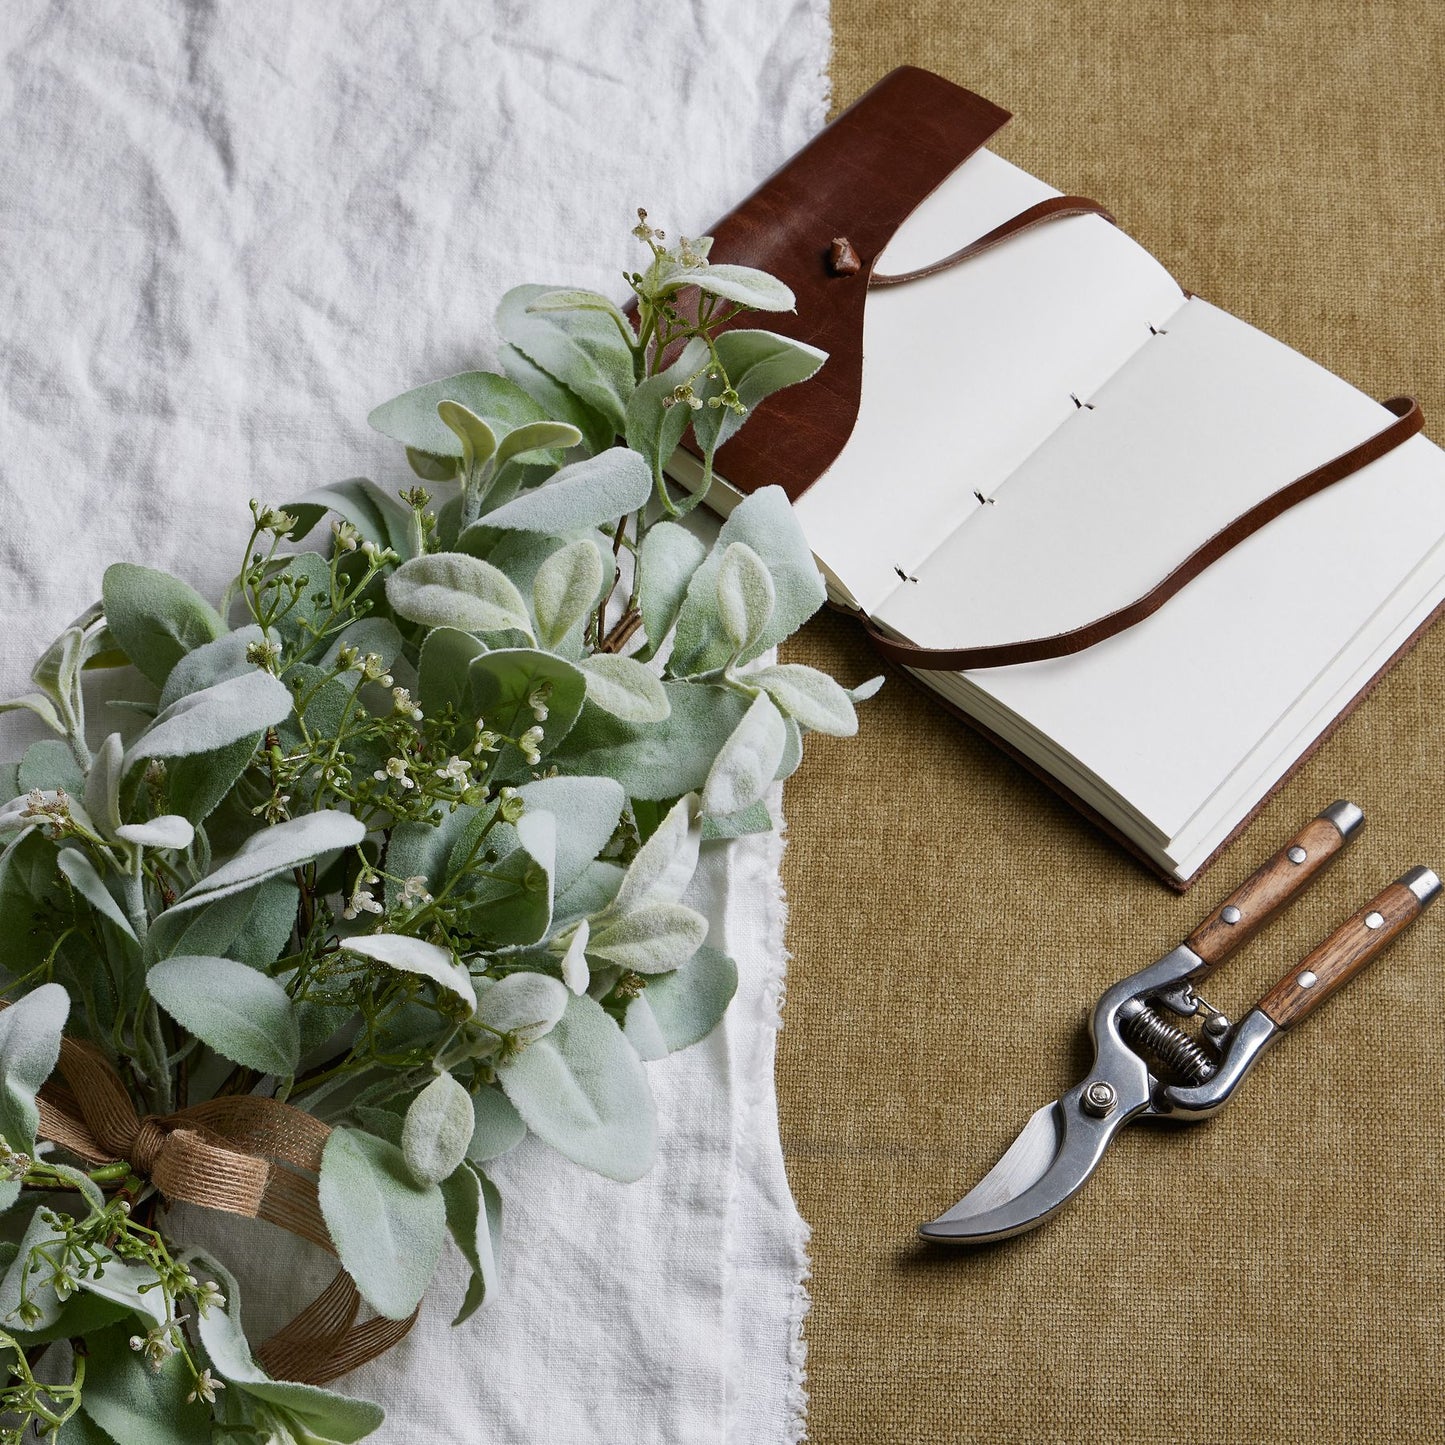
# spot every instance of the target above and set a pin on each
(1277, 1273)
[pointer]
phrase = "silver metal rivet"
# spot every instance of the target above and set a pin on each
(1307, 979)
(1100, 1098)
(1297, 854)
(1374, 920)
(1231, 914)
(1216, 1025)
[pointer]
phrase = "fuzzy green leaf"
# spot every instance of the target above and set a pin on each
(591, 493)
(742, 283)
(565, 588)
(134, 1404)
(497, 1127)
(654, 938)
(746, 764)
(81, 872)
(745, 596)
(240, 1013)
(30, 1032)
(214, 718)
(386, 1227)
(156, 618)
(526, 1005)
(474, 1217)
(809, 697)
(437, 1130)
(758, 363)
(587, 811)
(664, 865)
(584, 350)
(690, 1003)
(412, 418)
(501, 685)
(556, 400)
(670, 555)
(766, 523)
(626, 688)
(275, 850)
(582, 1089)
(378, 515)
(451, 589)
(416, 955)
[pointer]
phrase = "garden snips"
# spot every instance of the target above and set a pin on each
(1147, 1065)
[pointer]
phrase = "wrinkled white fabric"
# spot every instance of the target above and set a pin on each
(227, 230)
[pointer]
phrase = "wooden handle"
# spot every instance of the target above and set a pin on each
(1349, 948)
(1271, 886)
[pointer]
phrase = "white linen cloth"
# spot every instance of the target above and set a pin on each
(227, 230)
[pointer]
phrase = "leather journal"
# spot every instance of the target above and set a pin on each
(1152, 553)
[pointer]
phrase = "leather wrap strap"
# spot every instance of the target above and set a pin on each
(1052, 209)
(1408, 421)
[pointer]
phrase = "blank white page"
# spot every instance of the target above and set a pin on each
(1203, 423)
(966, 372)
(1166, 712)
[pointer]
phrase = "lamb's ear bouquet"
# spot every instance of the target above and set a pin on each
(384, 863)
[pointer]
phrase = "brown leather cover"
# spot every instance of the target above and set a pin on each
(859, 178)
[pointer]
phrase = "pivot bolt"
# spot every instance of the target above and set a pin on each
(1099, 1099)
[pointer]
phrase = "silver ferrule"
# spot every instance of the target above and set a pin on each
(1345, 816)
(1423, 883)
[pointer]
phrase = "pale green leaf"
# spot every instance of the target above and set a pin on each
(565, 588)
(526, 1005)
(766, 523)
(537, 436)
(415, 955)
(240, 1013)
(656, 421)
(746, 284)
(387, 1228)
(688, 1004)
(582, 1089)
(745, 596)
(210, 663)
(378, 515)
(626, 688)
(412, 418)
(501, 685)
(584, 350)
(166, 831)
(30, 1031)
(437, 1130)
(664, 865)
(478, 440)
(653, 761)
(591, 493)
(758, 363)
(214, 718)
(102, 785)
(808, 696)
(652, 938)
(156, 618)
(497, 1127)
(575, 972)
(442, 671)
(474, 1217)
(40, 705)
(451, 589)
(81, 872)
(640, 1030)
(670, 555)
(556, 400)
(275, 850)
(587, 811)
(746, 764)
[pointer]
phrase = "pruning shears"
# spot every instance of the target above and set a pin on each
(1148, 1065)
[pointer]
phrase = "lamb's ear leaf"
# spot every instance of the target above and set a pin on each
(557, 401)
(747, 762)
(451, 589)
(584, 350)
(377, 514)
(582, 1089)
(239, 1012)
(437, 1130)
(474, 1217)
(758, 363)
(626, 688)
(131, 1402)
(412, 418)
(331, 1416)
(387, 1228)
(591, 493)
(156, 618)
(30, 1031)
(690, 1003)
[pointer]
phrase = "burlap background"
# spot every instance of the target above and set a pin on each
(1275, 1274)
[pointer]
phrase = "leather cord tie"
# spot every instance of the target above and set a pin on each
(244, 1155)
(1408, 421)
(1052, 209)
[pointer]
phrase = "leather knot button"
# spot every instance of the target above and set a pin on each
(842, 258)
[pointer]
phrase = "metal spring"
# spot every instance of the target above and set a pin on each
(1171, 1046)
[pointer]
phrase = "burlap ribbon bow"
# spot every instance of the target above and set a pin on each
(244, 1155)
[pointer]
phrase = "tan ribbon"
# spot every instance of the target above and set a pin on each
(241, 1155)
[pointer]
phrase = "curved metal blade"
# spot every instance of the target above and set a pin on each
(1056, 1152)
